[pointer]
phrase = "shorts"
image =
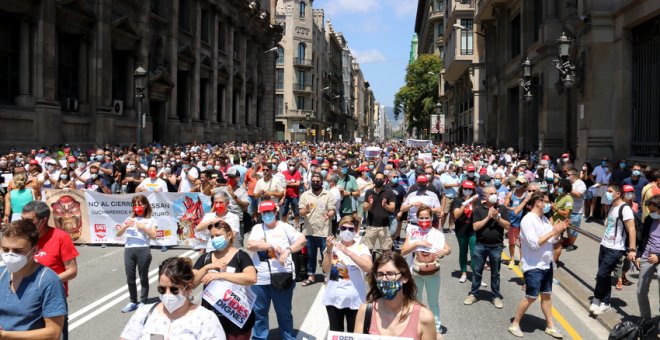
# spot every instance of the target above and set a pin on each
(538, 281)
(514, 235)
(576, 219)
(382, 234)
(448, 203)
(293, 202)
(598, 191)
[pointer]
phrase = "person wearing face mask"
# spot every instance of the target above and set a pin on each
(97, 181)
(64, 181)
(392, 308)
(318, 207)
(132, 177)
(620, 172)
(34, 300)
(229, 263)
(561, 209)
(637, 181)
(537, 237)
(623, 267)
(515, 202)
(650, 190)
(613, 247)
(601, 178)
(268, 187)
(451, 184)
(188, 175)
(175, 316)
(462, 209)
(421, 196)
(271, 244)
(220, 210)
(396, 224)
(18, 197)
(345, 262)
(379, 204)
(293, 180)
(423, 249)
(152, 182)
(348, 190)
(502, 190)
(489, 220)
(140, 228)
(648, 257)
(52, 174)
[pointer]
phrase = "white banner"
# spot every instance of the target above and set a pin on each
(372, 152)
(233, 301)
(427, 157)
(93, 217)
(435, 124)
(332, 335)
(419, 143)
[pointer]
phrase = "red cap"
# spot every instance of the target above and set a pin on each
(482, 171)
(546, 157)
(33, 162)
(315, 162)
(628, 188)
(471, 168)
(422, 179)
(564, 155)
(363, 168)
(67, 150)
(468, 185)
(42, 150)
(267, 206)
(71, 159)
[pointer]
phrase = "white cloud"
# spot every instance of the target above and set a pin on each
(403, 8)
(351, 6)
(368, 56)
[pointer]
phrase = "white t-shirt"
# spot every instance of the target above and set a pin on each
(535, 256)
(610, 240)
(264, 186)
(362, 182)
(186, 185)
(137, 238)
(349, 290)
(578, 203)
(199, 323)
(202, 237)
(431, 235)
(429, 198)
(282, 235)
(157, 184)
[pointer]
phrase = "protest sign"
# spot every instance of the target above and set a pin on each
(233, 301)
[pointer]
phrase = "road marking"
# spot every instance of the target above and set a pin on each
(100, 301)
(316, 324)
(555, 313)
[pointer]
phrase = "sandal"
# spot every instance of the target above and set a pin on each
(626, 282)
(619, 285)
(307, 283)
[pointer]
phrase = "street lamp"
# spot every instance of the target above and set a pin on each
(564, 65)
(140, 75)
(526, 81)
(468, 29)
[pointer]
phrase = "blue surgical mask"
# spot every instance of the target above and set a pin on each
(394, 180)
(268, 217)
(371, 167)
(219, 243)
(546, 208)
(636, 173)
(560, 190)
(324, 173)
(344, 170)
(498, 183)
(609, 196)
(603, 163)
(622, 165)
(388, 288)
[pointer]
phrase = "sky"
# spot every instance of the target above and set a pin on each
(379, 34)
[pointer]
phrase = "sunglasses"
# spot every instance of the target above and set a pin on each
(345, 228)
(173, 289)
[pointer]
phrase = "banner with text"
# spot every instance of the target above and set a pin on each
(419, 143)
(92, 217)
(233, 301)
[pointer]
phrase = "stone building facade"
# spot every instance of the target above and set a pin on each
(614, 108)
(66, 71)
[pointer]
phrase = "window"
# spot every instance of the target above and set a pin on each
(300, 102)
(300, 75)
(182, 94)
(203, 102)
(466, 37)
(280, 55)
(280, 79)
(205, 26)
(440, 28)
(279, 104)
(184, 15)
(301, 9)
(301, 51)
(440, 5)
(67, 75)
(515, 36)
(119, 74)
(9, 46)
(538, 18)
(221, 103)
(222, 37)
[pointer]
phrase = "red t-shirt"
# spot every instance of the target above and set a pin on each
(290, 190)
(55, 248)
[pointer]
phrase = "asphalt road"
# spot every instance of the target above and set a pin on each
(99, 292)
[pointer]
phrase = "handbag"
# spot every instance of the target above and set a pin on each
(279, 281)
(425, 263)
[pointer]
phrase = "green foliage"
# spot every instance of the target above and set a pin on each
(417, 98)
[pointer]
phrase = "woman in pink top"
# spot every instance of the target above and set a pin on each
(394, 309)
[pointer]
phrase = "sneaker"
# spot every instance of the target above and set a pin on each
(484, 284)
(470, 299)
(589, 219)
(511, 264)
(463, 278)
(515, 330)
(602, 309)
(555, 281)
(571, 247)
(554, 332)
(129, 307)
(498, 303)
(594, 305)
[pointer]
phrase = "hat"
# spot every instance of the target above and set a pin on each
(363, 168)
(233, 172)
(34, 162)
(628, 188)
(546, 157)
(49, 160)
(471, 168)
(267, 206)
(315, 162)
(483, 171)
(422, 179)
(71, 159)
(484, 178)
(42, 151)
(521, 179)
(468, 185)
(564, 155)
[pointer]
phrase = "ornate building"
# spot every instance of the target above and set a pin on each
(66, 70)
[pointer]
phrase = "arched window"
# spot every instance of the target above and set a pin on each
(301, 51)
(280, 55)
(301, 9)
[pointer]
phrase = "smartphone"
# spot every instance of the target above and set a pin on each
(157, 337)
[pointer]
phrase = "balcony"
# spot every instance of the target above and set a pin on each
(483, 9)
(457, 58)
(302, 62)
(436, 15)
(299, 114)
(298, 87)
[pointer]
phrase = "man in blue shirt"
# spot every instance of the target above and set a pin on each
(638, 182)
(33, 299)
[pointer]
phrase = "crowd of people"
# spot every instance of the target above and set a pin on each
(372, 226)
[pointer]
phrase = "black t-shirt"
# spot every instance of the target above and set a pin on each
(399, 195)
(492, 233)
(240, 261)
(463, 223)
(378, 216)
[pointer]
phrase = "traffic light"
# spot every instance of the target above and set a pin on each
(314, 133)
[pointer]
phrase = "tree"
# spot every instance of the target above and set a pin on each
(417, 98)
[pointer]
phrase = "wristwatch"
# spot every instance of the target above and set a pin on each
(632, 249)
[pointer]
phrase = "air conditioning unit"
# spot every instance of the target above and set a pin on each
(118, 107)
(70, 104)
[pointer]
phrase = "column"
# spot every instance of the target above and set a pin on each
(24, 64)
(229, 90)
(82, 72)
(195, 85)
(171, 45)
(213, 95)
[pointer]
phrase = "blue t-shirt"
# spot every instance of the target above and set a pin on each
(40, 295)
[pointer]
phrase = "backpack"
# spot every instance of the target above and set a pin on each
(638, 224)
(626, 330)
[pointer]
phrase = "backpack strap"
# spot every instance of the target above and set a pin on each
(207, 258)
(151, 310)
(620, 218)
(367, 319)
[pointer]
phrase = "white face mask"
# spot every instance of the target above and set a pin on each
(172, 302)
(14, 262)
(655, 215)
(492, 199)
(347, 235)
(467, 192)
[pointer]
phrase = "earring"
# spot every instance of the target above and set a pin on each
(191, 298)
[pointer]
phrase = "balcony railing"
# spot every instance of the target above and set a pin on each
(302, 62)
(302, 87)
(301, 113)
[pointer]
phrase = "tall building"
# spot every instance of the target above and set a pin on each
(66, 71)
(610, 107)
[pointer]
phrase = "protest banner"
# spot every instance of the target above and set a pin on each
(332, 335)
(427, 157)
(93, 217)
(233, 301)
(372, 152)
(419, 143)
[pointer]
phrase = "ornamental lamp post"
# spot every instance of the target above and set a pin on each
(140, 75)
(566, 68)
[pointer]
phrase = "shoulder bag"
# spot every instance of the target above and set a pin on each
(279, 281)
